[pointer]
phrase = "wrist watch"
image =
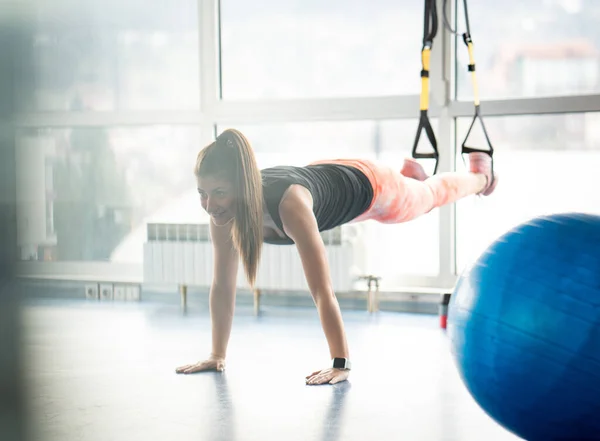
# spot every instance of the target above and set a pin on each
(341, 363)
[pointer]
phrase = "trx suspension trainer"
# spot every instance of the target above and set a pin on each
(429, 34)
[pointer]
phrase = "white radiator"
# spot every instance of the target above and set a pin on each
(183, 254)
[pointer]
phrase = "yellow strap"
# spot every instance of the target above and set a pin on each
(473, 75)
(425, 57)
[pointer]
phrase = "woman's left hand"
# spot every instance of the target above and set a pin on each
(329, 375)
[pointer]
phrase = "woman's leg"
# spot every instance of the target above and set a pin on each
(401, 199)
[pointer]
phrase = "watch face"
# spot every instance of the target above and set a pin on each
(339, 363)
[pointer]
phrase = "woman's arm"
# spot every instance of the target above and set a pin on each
(301, 225)
(221, 300)
(223, 289)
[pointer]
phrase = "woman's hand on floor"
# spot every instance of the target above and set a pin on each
(212, 364)
(329, 375)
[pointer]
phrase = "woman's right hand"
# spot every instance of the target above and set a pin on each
(211, 364)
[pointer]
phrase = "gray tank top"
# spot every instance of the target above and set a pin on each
(340, 193)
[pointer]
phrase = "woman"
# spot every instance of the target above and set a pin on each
(293, 205)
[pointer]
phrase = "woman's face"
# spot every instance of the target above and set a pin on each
(217, 197)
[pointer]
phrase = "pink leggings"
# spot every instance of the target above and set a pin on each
(398, 198)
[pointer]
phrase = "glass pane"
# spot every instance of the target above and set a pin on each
(548, 164)
(87, 194)
(415, 245)
(391, 251)
(531, 48)
(274, 49)
(103, 56)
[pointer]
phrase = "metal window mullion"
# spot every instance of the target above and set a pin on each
(318, 109)
(106, 119)
(315, 109)
(208, 21)
(529, 106)
(441, 93)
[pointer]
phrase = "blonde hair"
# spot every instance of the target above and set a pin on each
(231, 157)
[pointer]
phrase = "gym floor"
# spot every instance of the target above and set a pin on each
(102, 372)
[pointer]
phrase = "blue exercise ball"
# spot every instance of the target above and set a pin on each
(524, 328)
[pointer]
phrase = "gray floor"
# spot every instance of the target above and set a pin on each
(103, 372)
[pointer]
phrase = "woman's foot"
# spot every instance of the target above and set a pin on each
(412, 169)
(481, 162)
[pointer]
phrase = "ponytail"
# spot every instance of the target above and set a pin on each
(232, 157)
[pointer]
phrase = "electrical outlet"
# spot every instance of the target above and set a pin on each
(106, 291)
(119, 293)
(91, 292)
(133, 293)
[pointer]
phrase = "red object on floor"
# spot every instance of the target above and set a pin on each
(443, 321)
(444, 310)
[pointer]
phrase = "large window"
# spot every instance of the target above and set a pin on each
(104, 56)
(528, 48)
(90, 181)
(86, 194)
(391, 251)
(547, 164)
(274, 49)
